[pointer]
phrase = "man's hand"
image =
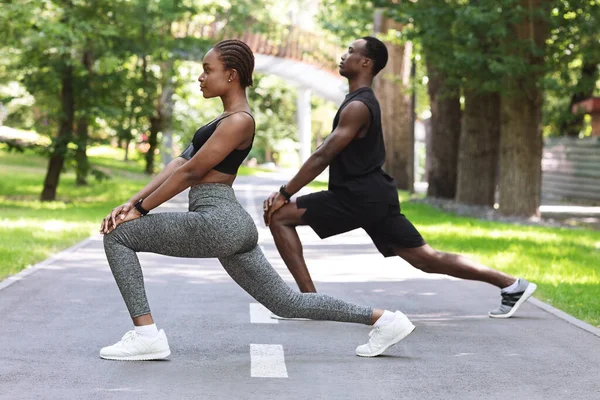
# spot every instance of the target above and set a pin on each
(272, 204)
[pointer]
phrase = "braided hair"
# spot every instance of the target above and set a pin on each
(236, 54)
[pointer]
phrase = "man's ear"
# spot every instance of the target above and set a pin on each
(368, 63)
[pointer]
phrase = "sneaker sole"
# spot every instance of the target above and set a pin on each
(143, 357)
(273, 316)
(398, 338)
(528, 292)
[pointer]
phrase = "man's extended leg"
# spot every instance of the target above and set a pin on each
(395, 235)
(436, 262)
(283, 227)
(514, 291)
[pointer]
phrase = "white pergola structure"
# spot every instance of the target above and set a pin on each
(309, 80)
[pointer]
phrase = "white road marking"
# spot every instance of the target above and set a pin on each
(267, 361)
(259, 314)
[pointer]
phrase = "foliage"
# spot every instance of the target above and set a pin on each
(573, 48)
(347, 20)
(471, 42)
(274, 105)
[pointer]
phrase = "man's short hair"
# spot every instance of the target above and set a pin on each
(377, 52)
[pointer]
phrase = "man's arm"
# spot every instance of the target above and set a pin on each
(353, 119)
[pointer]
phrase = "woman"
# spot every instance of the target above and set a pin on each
(216, 224)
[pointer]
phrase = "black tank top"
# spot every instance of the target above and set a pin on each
(232, 162)
(356, 171)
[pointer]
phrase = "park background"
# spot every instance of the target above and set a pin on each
(490, 109)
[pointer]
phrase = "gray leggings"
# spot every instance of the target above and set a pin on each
(215, 226)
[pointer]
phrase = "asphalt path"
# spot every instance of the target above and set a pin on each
(56, 316)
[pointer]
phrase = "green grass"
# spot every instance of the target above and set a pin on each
(563, 262)
(32, 231)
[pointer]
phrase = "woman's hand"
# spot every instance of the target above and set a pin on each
(130, 216)
(110, 222)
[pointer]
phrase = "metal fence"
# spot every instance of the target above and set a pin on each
(571, 169)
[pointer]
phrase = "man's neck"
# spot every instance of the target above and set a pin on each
(359, 82)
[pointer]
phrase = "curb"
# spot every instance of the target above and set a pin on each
(34, 268)
(565, 317)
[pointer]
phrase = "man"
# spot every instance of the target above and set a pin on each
(362, 195)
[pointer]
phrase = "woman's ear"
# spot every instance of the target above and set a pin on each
(232, 75)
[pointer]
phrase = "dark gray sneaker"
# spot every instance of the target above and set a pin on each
(513, 300)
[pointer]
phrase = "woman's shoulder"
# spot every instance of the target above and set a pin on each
(241, 118)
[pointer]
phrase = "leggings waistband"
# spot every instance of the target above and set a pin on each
(210, 194)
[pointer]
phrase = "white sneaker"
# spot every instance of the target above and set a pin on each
(134, 347)
(385, 336)
(275, 316)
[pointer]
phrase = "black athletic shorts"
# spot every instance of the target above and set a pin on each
(329, 213)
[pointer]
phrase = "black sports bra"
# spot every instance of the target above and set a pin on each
(232, 162)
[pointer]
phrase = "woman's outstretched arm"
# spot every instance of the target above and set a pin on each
(229, 135)
(109, 222)
(158, 179)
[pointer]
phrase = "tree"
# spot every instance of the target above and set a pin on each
(573, 57)
(520, 132)
(445, 134)
(478, 32)
(431, 25)
(55, 63)
(393, 84)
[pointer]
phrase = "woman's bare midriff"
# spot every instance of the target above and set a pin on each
(218, 177)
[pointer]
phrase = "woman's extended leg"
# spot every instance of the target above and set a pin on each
(255, 275)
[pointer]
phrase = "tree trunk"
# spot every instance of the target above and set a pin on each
(445, 135)
(83, 164)
(81, 158)
(65, 133)
(127, 143)
(479, 146)
(166, 104)
(392, 88)
(521, 153)
(521, 132)
(155, 127)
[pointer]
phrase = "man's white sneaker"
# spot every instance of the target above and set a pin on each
(134, 347)
(385, 336)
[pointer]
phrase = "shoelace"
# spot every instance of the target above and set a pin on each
(129, 336)
(372, 333)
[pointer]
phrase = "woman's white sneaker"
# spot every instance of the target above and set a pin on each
(383, 337)
(134, 347)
